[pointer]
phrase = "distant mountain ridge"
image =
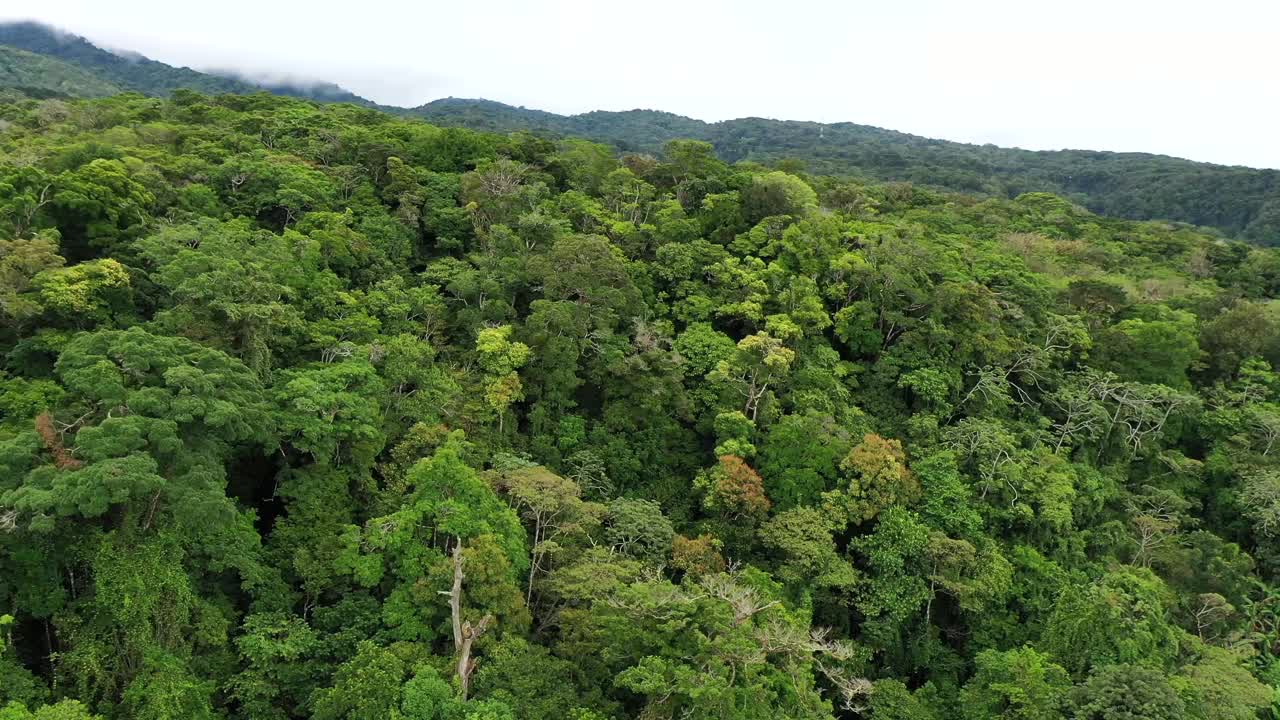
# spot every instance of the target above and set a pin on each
(1238, 201)
(41, 76)
(137, 73)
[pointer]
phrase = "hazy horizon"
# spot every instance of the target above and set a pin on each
(1168, 78)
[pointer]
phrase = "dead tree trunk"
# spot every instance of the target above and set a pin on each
(464, 633)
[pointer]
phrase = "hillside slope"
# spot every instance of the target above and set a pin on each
(136, 73)
(39, 76)
(1239, 201)
(151, 77)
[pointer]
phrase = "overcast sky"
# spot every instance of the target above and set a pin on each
(1194, 79)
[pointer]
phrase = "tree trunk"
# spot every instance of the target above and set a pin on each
(464, 633)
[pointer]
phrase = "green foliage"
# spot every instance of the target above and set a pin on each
(802, 539)
(800, 458)
(1119, 619)
(895, 587)
(878, 479)
(1153, 351)
(83, 70)
(500, 358)
(61, 710)
(526, 676)
(1238, 201)
(777, 193)
(367, 686)
(1218, 686)
(1019, 683)
(891, 700)
(638, 528)
(1126, 692)
(39, 76)
(311, 411)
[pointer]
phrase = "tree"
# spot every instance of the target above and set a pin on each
(878, 479)
(27, 192)
(331, 411)
(61, 710)
(628, 196)
(697, 556)
(465, 632)
(526, 676)
(800, 458)
(451, 537)
(1126, 691)
(20, 687)
(891, 700)
(98, 205)
(500, 358)
(188, 405)
(638, 528)
(1260, 501)
(554, 506)
(589, 271)
(84, 294)
(367, 686)
(802, 541)
(227, 284)
(722, 647)
(777, 193)
(975, 577)
(734, 489)
(278, 677)
(1100, 300)
(894, 586)
(1082, 631)
(1020, 683)
(733, 435)
(758, 364)
(21, 261)
(1221, 687)
(585, 164)
(498, 190)
(1155, 350)
(1243, 331)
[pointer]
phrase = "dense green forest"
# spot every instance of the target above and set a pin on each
(31, 75)
(310, 411)
(1239, 202)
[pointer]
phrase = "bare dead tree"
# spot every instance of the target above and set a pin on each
(1267, 426)
(1213, 608)
(827, 654)
(745, 602)
(28, 217)
(1026, 370)
(464, 632)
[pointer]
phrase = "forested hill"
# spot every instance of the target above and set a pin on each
(39, 76)
(132, 72)
(1241, 202)
(311, 411)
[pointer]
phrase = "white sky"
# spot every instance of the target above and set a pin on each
(1194, 79)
